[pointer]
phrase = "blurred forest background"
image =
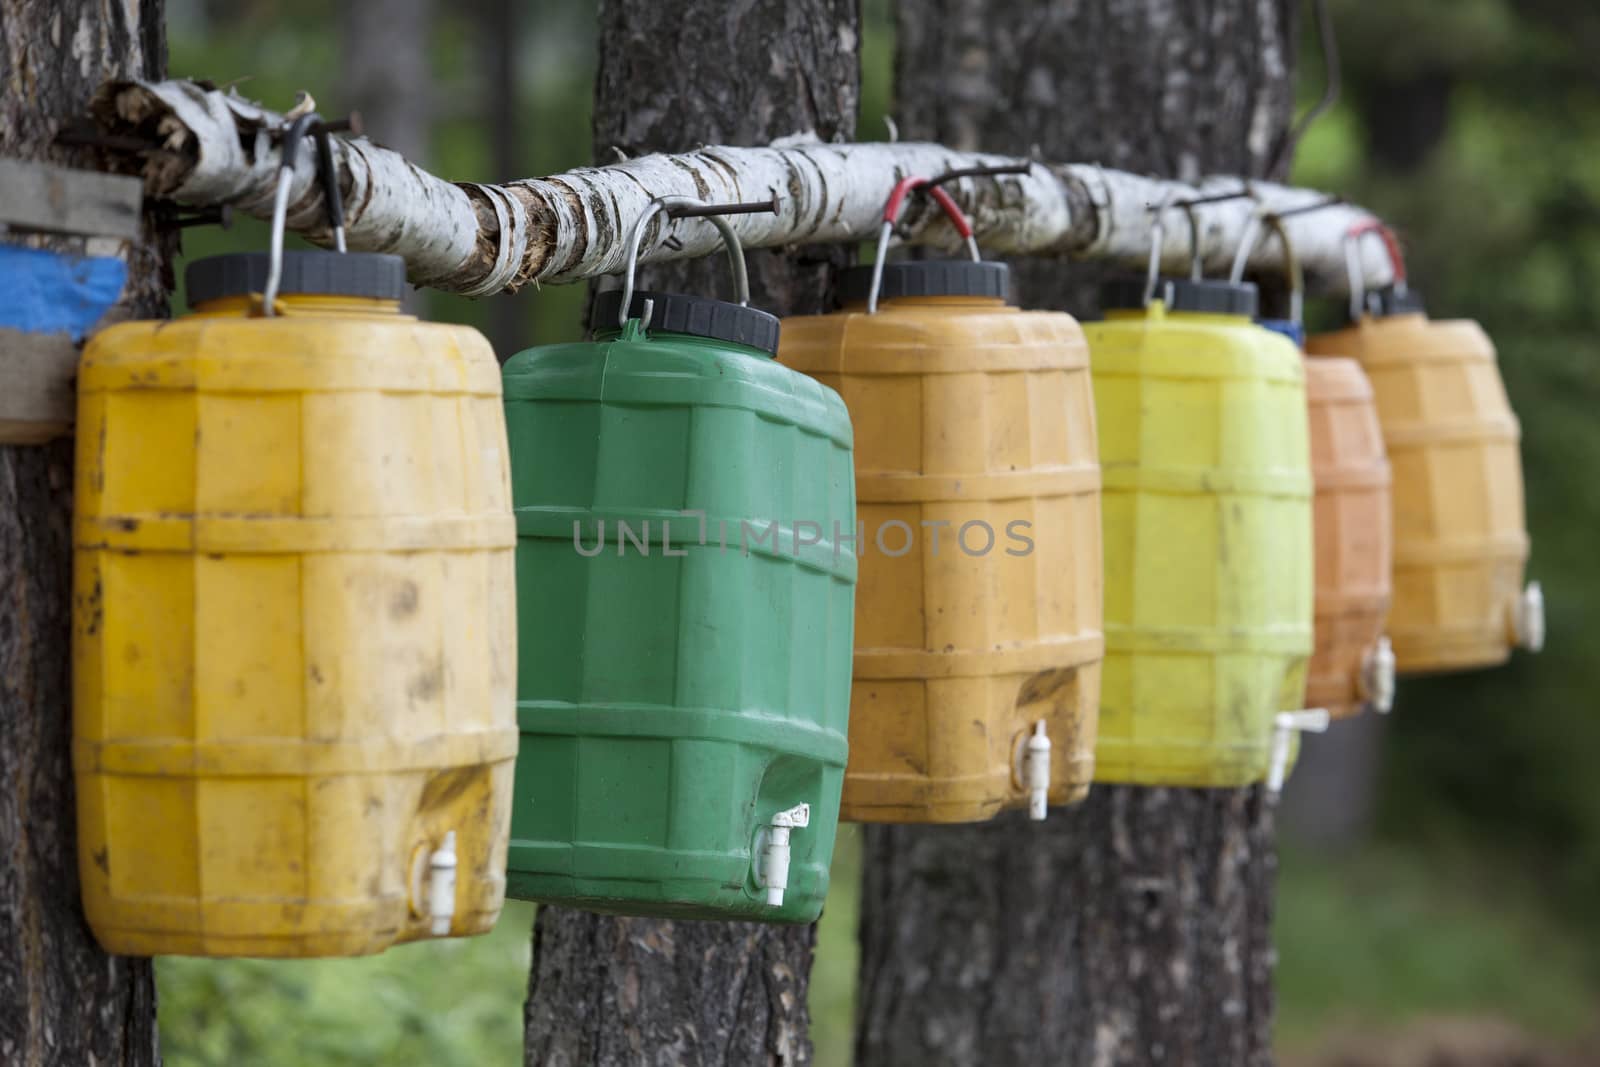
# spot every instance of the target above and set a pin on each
(1440, 875)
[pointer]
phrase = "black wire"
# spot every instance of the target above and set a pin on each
(1332, 83)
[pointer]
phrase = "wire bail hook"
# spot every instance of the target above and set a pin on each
(682, 207)
(308, 122)
(1352, 262)
(892, 209)
(1263, 220)
(929, 187)
(1158, 237)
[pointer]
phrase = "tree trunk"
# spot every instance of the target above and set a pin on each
(385, 74)
(1134, 928)
(672, 76)
(62, 1000)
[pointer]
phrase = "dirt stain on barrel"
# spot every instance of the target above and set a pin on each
(428, 684)
(403, 603)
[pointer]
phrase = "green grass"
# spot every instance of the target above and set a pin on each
(1374, 938)
(1387, 935)
(440, 1003)
(833, 976)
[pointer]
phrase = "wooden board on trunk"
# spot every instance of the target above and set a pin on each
(36, 374)
(51, 199)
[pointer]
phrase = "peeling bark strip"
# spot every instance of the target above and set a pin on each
(214, 148)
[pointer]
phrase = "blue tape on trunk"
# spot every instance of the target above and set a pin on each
(47, 292)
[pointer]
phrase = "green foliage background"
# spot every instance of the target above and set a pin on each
(1474, 126)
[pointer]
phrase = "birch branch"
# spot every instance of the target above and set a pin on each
(206, 148)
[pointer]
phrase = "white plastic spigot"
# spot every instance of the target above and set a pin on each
(1530, 618)
(1284, 726)
(442, 885)
(1377, 676)
(1036, 772)
(773, 868)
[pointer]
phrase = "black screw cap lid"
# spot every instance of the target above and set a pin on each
(1184, 294)
(312, 273)
(1384, 302)
(697, 316)
(928, 277)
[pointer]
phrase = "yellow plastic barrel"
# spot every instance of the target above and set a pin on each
(1208, 534)
(1460, 539)
(293, 645)
(977, 486)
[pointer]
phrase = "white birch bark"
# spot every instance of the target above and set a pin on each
(214, 148)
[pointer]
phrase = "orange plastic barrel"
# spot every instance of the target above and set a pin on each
(978, 610)
(1350, 473)
(1460, 539)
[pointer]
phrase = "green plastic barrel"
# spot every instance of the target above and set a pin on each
(684, 613)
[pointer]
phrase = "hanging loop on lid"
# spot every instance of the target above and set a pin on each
(1263, 220)
(930, 187)
(892, 208)
(308, 122)
(1352, 261)
(684, 207)
(1158, 236)
(1196, 264)
(1158, 233)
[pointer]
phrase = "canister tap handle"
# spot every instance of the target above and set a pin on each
(1377, 676)
(442, 886)
(1284, 726)
(1036, 772)
(684, 207)
(772, 865)
(1530, 618)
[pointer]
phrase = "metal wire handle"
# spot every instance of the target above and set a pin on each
(1352, 262)
(308, 123)
(1265, 220)
(677, 207)
(1158, 233)
(891, 215)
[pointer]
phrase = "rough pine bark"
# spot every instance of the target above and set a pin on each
(1134, 928)
(622, 991)
(62, 1000)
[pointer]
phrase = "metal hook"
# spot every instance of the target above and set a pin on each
(1263, 219)
(308, 122)
(686, 207)
(280, 207)
(1274, 220)
(891, 215)
(1158, 234)
(974, 172)
(1196, 263)
(1352, 262)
